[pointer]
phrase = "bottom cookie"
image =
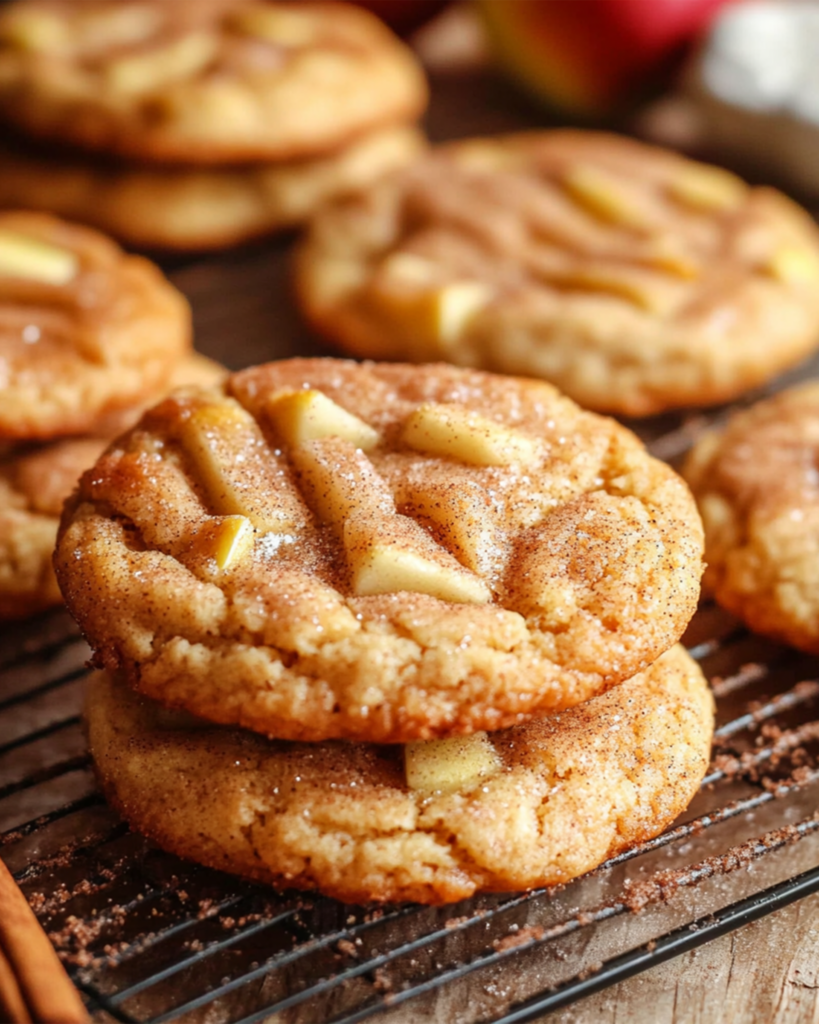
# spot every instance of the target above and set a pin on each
(534, 805)
(185, 208)
(35, 481)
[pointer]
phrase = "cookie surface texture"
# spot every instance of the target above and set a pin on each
(325, 549)
(85, 330)
(564, 793)
(203, 81)
(35, 482)
(197, 208)
(632, 278)
(757, 488)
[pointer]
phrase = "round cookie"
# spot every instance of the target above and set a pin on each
(203, 81)
(757, 487)
(188, 208)
(632, 278)
(33, 488)
(85, 330)
(534, 805)
(34, 484)
(381, 552)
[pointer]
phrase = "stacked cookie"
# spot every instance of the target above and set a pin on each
(634, 279)
(204, 123)
(386, 631)
(88, 337)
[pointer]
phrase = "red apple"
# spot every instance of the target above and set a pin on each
(588, 56)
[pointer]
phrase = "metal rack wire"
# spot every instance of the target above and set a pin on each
(148, 937)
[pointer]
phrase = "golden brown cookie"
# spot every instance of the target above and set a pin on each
(757, 486)
(197, 208)
(535, 805)
(630, 277)
(203, 81)
(85, 330)
(384, 552)
(34, 483)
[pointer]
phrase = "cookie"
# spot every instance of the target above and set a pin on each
(188, 208)
(34, 483)
(203, 82)
(757, 487)
(534, 805)
(632, 278)
(85, 330)
(324, 549)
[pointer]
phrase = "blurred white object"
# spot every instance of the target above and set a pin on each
(751, 93)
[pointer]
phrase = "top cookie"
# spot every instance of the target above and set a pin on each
(322, 549)
(85, 330)
(632, 278)
(757, 486)
(202, 80)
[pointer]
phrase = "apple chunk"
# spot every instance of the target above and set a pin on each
(445, 766)
(387, 554)
(436, 314)
(309, 414)
(457, 432)
(238, 471)
(35, 260)
(701, 187)
(226, 540)
(603, 196)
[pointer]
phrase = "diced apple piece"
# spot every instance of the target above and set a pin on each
(239, 472)
(276, 25)
(640, 288)
(230, 100)
(36, 30)
(339, 480)
(226, 540)
(308, 415)
(445, 766)
(391, 553)
(180, 59)
(457, 432)
(408, 268)
(454, 305)
(463, 517)
(35, 260)
(603, 196)
(708, 188)
(436, 316)
(793, 265)
(674, 261)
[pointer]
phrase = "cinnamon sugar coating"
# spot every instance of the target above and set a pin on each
(572, 790)
(311, 587)
(632, 278)
(757, 486)
(203, 81)
(88, 331)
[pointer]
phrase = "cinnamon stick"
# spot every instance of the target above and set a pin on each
(28, 963)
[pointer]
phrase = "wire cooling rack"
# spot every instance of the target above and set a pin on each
(148, 937)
